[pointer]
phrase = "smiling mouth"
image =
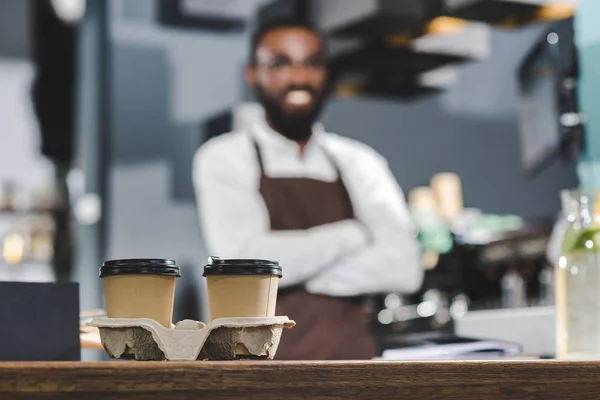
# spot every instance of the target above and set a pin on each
(298, 97)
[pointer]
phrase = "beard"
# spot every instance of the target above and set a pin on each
(296, 126)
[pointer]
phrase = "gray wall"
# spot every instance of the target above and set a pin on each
(14, 28)
(167, 81)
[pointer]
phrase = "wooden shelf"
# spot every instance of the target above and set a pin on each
(301, 380)
(33, 211)
(28, 263)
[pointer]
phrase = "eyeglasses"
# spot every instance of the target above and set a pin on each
(281, 63)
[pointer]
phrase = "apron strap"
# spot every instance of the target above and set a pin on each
(258, 157)
(327, 153)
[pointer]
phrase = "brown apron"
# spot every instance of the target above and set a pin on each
(327, 328)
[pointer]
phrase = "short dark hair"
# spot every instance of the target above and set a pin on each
(275, 24)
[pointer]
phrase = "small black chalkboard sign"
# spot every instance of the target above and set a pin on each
(39, 321)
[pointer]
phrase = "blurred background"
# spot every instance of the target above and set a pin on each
(104, 103)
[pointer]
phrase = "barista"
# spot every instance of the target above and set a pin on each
(325, 206)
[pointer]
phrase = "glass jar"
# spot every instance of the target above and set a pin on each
(577, 278)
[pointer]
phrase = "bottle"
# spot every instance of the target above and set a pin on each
(7, 202)
(434, 233)
(577, 281)
(513, 290)
(546, 282)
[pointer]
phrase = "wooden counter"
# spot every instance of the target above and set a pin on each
(306, 380)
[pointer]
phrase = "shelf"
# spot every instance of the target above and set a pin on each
(372, 20)
(32, 211)
(26, 263)
(494, 11)
(510, 13)
(388, 72)
(409, 89)
(379, 59)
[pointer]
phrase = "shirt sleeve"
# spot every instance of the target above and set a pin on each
(391, 262)
(235, 221)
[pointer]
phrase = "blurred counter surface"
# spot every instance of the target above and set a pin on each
(517, 379)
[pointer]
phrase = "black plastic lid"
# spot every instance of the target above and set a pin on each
(218, 266)
(140, 266)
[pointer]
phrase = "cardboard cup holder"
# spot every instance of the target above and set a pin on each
(144, 339)
(242, 297)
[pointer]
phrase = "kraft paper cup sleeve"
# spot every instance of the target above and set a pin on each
(145, 339)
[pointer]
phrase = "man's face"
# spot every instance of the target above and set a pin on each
(289, 76)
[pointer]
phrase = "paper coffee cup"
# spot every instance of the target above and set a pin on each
(241, 288)
(140, 288)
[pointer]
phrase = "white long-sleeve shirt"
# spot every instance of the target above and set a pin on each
(377, 253)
